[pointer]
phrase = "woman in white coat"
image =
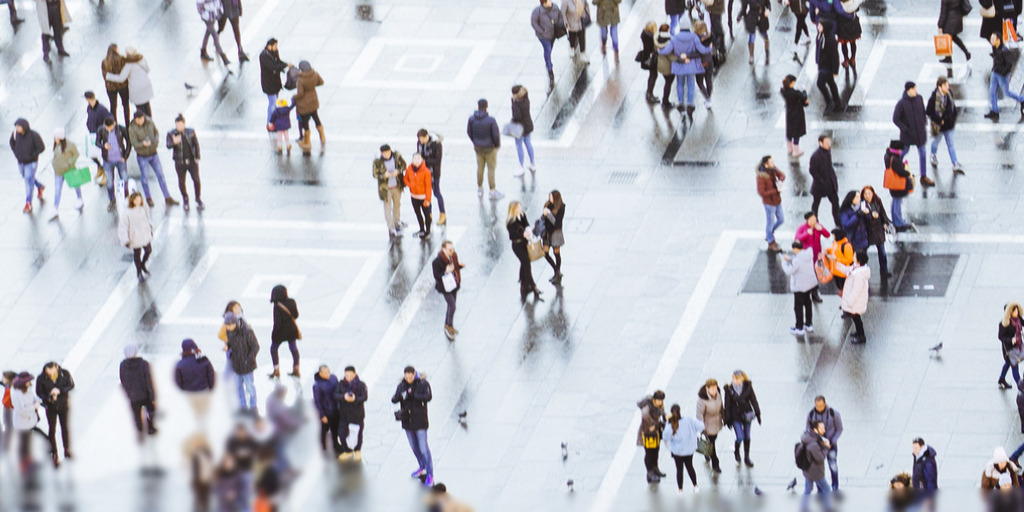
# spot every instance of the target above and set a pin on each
(854, 301)
(136, 73)
(26, 415)
(135, 230)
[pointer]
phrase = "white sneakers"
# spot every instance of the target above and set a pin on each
(519, 171)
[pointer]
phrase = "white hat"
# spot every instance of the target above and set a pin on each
(58, 133)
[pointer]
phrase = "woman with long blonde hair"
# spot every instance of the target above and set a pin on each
(519, 233)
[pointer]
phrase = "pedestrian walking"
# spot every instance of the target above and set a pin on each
(854, 299)
(95, 114)
(65, 154)
(853, 223)
(285, 421)
(705, 79)
(648, 58)
(194, 375)
(833, 423)
(242, 349)
(447, 271)
(483, 132)
(136, 74)
(741, 409)
(113, 64)
(547, 21)
(135, 231)
(137, 382)
(412, 394)
(324, 384)
(286, 330)
(754, 14)
(800, 11)
(715, 9)
(652, 423)
(25, 406)
(800, 269)
(682, 434)
(201, 471)
(796, 123)
(232, 13)
(1003, 61)
(686, 64)
(280, 123)
(840, 253)
(184, 147)
(13, 10)
(810, 457)
(430, 146)
(210, 11)
(824, 182)
(145, 139)
(1015, 457)
(520, 234)
(1008, 11)
(608, 22)
(112, 140)
(553, 238)
(674, 9)
(901, 495)
(942, 112)
(711, 412)
(27, 145)
(893, 159)
(662, 64)
(521, 116)
(909, 116)
(389, 169)
(351, 394)
(53, 386)
(7, 418)
(951, 22)
(996, 468)
(53, 20)
(848, 30)
(1012, 344)
(576, 14)
(418, 181)
(307, 105)
(271, 67)
(876, 223)
(768, 178)
(243, 451)
(826, 55)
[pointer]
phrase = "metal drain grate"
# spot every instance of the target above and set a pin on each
(623, 178)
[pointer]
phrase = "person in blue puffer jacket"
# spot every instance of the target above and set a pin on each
(324, 383)
(686, 65)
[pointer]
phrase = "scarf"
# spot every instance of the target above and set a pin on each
(1016, 323)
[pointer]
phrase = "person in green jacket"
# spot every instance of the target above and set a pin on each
(608, 21)
(65, 153)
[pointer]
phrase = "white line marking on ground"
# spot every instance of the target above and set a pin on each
(870, 70)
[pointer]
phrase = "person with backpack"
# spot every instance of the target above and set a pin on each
(652, 423)
(741, 409)
(833, 421)
(841, 253)
(768, 178)
(802, 280)
(430, 147)
(682, 435)
(810, 459)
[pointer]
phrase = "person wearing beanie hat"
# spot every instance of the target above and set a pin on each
(280, 123)
(389, 170)
(909, 116)
(185, 152)
(65, 153)
(194, 375)
(998, 468)
(27, 145)
(243, 348)
(271, 67)
(307, 104)
(137, 382)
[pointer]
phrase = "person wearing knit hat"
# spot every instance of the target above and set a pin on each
(194, 376)
(307, 105)
(909, 116)
(65, 153)
(999, 467)
(137, 382)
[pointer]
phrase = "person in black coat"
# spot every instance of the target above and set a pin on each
(447, 264)
(1011, 341)
(27, 145)
(893, 159)
(909, 116)
(138, 385)
(194, 375)
(271, 67)
(521, 115)
(648, 58)
(413, 393)
(741, 408)
(52, 387)
(872, 214)
(185, 150)
(942, 111)
(350, 395)
(796, 123)
(430, 148)
(951, 21)
(519, 233)
(925, 480)
(826, 54)
(1008, 10)
(242, 349)
(824, 182)
(286, 311)
(108, 137)
(232, 13)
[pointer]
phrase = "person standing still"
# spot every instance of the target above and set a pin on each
(144, 137)
(544, 19)
(112, 140)
(286, 313)
(324, 384)
(833, 423)
(271, 67)
(307, 105)
(553, 215)
(388, 169)
(802, 280)
(741, 409)
(242, 347)
(350, 395)
(418, 181)
(52, 387)
(608, 21)
(682, 434)
(413, 393)
(447, 280)
(185, 152)
(135, 231)
(925, 480)
(483, 132)
(814, 444)
(796, 121)
(942, 112)
(432, 150)
(27, 145)
(909, 116)
(768, 178)
(521, 115)
(711, 412)
(854, 299)
(824, 182)
(113, 64)
(95, 114)
(652, 423)
(519, 233)
(893, 159)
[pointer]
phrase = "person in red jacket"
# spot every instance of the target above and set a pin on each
(417, 179)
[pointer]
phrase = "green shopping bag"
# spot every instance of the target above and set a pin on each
(77, 177)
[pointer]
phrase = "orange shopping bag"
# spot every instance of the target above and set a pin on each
(943, 45)
(1009, 33)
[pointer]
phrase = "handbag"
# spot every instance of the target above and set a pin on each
(749, 416)
(448, 281)
(298, 333)
(585, 20)
(965, 7)
(1009, 33)
(1015, 355)
(943, 45)
(988, 12)
(893, 181)
(821, 270)
(704, 445)
(513, 129)
(651, 441)
(535, 248)
(77, 177)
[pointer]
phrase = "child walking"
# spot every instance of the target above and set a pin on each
(280, 124)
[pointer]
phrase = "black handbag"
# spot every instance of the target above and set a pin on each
(965, 7)
(560, 31)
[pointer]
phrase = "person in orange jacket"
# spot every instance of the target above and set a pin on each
(841, 252)
(417, 179)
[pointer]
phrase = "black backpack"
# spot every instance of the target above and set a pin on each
(800, 453)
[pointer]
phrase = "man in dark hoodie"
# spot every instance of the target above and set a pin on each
(243, 347)
(27, 145)
(429, 146)
(909, 116)
(926, 472)
(824, 182)
(95, 114)
(350, 395)
(483, 131)
(194, 376)
(324, 384)
(138, 385)
(814, 445)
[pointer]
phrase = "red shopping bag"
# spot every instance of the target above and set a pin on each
(943, 45)
(1009, 33)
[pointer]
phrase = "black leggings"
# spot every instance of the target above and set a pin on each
(840, 281)
(652, 77)
(714, 451)
(140, 425)
(422, 212)
(852, 52)
(556, 264)
(667, 93)
(191, 169)
(525, 270)
(52, 416)
(651, 459)
(292, 347)
(704, 81)
(112, 97)
(801, 27)
(304, 120)
(802, 309)
(687, 462)
(957, 41)
(141, 256)
(858, 324)
(330, 429)
(578, 39)
(827, 86)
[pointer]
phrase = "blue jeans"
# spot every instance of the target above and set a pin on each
(615, 36)
(770, 212)
(948, 135)
(833, 466)
(418, 443)
(690, 85)
(823, 491)
(1000, 82)
(1016, 373)
(58, 184)
(435, 182)
(547, 44)
(153, 162)
(520, 142)
(1016, 453)
(271, 105)
(122, 172)
(28, 173)
(673, 20)
(246, 385)
(920, 155)
(742, 430)
(897, 212)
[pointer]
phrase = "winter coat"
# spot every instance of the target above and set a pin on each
(432, 152)
(826, 53)
(140, 88)
(767, 185)
(833, 423)
(951, 18)
(271, 67)
(280, 118)
(27, 146)
(285, 328)
(573, 16)
(801, 272)
(418, 180)
(664, 62)
(517, 228)
(796, 101)
(926, 472)
(607, 12)
(875, 227)
(799, 7)
(137, 380)
(193, 373)
(521, 112)
(113, 68)
(45, 385)
(64, 159)
(120, 137)
(188, 139)
(323, 395)
(483, 130)
(823, 175)
(553, 221)
(243, 347)
(355, 412)
(823, 9)
(716, 6)
(893, 160)
(811, 238)
(854, 227)
(710, 411)
(910, 118)
(134, 227)
(686, 43)
(440, 265)
(305, 99)
(855, 290)
(651, 417)
(815, 454)
(1007, 333)
(380, 169)
(1003, 60)
(737, 405)
(44, 17)
(94, 117)
(25, 405)
(989, 26)
(755, 15)
(137, 134)
(990, 476)
(946, 120)
(210, 10)
(675, 7)
(413, 399)
(842, 252)
(232, 9)
(544, 19)
(683, 440)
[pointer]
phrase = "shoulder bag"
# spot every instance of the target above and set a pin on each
(298, 333)
(448, 281)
